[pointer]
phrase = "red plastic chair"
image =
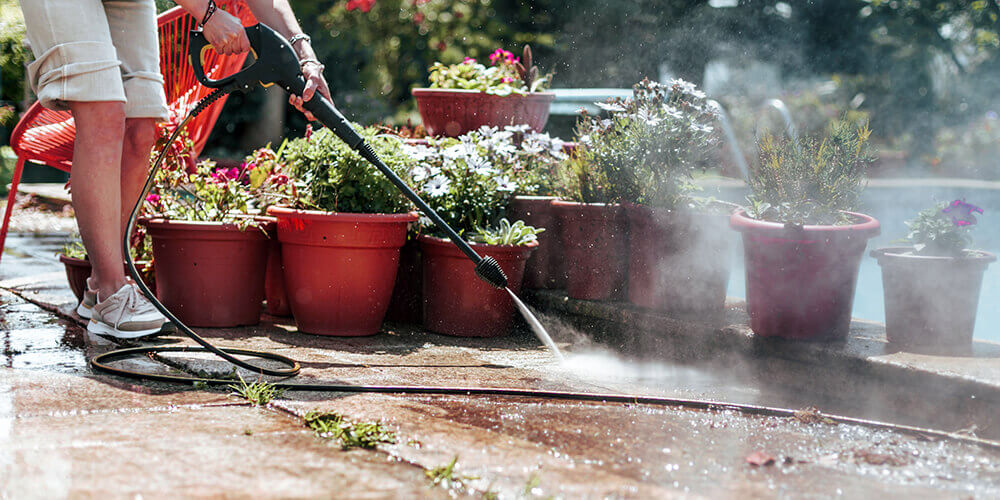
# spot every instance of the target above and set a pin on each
(46, 136)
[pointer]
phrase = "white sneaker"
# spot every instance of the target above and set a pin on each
(86, 307)
(125, 315)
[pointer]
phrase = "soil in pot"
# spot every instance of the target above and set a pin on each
(801, 279)
(546, 267)
(679, 261)
(456, 301)
(407, 303)
(340, 267)
(595, 241)
(453, 112)
(274, 282)
(931, 302)
(210, 274)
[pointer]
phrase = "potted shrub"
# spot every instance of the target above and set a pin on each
(465, 96)
(802, 240)
(932, 286)
(471, 193)
(648, 150)
(210, 244)
(341, 236)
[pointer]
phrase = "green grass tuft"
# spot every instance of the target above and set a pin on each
(350, 434)
(258, 393)
(446, 477)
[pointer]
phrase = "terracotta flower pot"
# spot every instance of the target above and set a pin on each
(210, 274)
(340, 267)
(456, 301)
(407, 303)
(545, 268)
(77, 272)
(931, 301)
(595, 241)
(678, 261)
(275, 294)
(801, 279)
(453, 112)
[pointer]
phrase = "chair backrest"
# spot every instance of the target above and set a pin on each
(46, 136)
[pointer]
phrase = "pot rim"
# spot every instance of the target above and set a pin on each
(898, 253)
(194, 225)
(445, 242)
(635, 209)
(567, 203)
(868, 227)
(280, 211)
(533, 197)
(424, 91)
(65, 259)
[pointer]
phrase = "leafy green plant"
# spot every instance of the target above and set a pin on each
(811, 181)
(350, 434)
(74, 249)
(329, 175)
(14, 55)
(648, 148)
(506, 75)
(258, 393)
(445, 476)
(943, 229)
(506, 233)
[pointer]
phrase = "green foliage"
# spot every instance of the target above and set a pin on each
(331, 176)
(350, 434)
(258, 393)
(652, 143)
(934, 232)
(506, 233)
(74, 249)
(581, 180)
(810, 181)
(445, 476)
(13, 54)
(506, 75)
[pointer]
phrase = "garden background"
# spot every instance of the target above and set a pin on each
(926, 73)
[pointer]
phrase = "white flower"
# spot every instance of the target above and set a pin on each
(517, 128)
(672, 112)
(424, 171)
(437, 186)
(705, 129)
(480, 165)
(683, 85)
(505, 184)
(613, 107)
(487, 131)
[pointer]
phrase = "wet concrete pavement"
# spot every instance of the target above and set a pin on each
(67, 431)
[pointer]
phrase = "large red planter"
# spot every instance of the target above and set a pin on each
(456, 301)
(595, 241)
(210, 274)
(340, 267)
(931, 302)
(546, 267)
(274, 282)
(407, 304)
(678, 261)
(801, 279)
(453, 112)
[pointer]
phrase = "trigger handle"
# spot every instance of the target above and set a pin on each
(198, 46)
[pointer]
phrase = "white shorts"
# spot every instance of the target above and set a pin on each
(93, 50)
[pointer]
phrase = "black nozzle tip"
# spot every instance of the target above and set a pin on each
(489, 271)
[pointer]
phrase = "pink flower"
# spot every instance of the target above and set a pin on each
(962, 213)
(468, 60)
(506, 79)
(153, 198)
(364, 5)
(309, 131)
(279, 179)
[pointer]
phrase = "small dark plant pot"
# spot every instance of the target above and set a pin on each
(275, 295)
(801, 279)
(340, 267)
(546, 267)
(210, 274)
(931, 302)
(407, 304)
(453, 112)
(678, 261)
(456, 301)
(595, 241)
(78, 270)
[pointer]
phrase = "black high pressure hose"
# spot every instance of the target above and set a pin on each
(102, 362)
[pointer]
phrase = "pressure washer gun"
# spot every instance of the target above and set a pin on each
(277, 64)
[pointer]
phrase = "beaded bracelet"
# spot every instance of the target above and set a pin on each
(300, 36)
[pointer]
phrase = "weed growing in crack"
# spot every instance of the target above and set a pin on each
(445, 476)
(350, 434)
(258, 393)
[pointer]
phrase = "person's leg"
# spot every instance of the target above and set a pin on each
(96, 178)
(140, 134)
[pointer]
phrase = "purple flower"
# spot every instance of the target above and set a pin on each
(961, 212)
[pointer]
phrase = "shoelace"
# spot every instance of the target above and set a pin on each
(132, 304)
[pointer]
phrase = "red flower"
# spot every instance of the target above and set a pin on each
(364, 5)
(309, 131)
(279, 179)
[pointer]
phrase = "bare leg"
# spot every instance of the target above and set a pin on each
(97, 154)
(140, 134)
